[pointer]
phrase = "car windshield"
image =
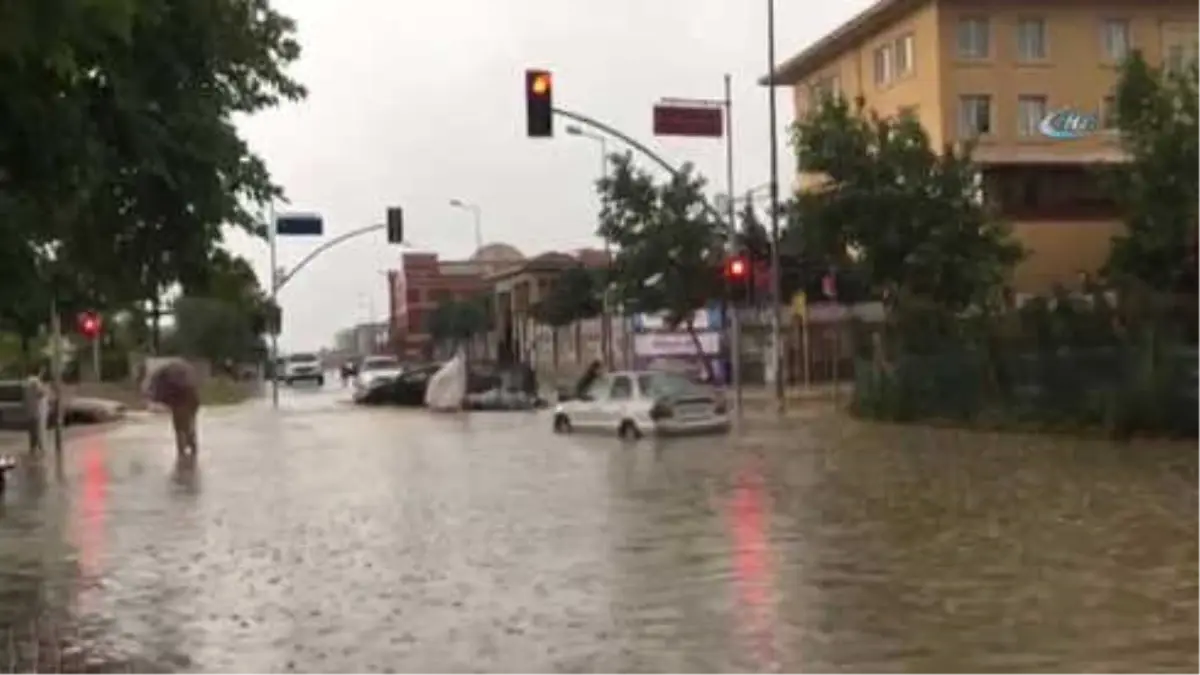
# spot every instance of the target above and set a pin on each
(667, 384)
(380, 363)
(302, 358)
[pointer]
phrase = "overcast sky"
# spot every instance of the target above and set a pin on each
(415, 103)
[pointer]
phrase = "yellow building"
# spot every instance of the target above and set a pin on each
(994, 70)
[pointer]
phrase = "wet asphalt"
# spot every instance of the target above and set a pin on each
(329, 538)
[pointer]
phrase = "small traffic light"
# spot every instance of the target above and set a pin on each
(538, 106)
(395, 225)
(737, 269)
(89, 325)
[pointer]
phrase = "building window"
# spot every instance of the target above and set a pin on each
(1108, 113)
(974, 115)
(1115, 39)
(1181, 46)
(441, 296)
(825, 87)
(973, 38)
(904, 55)
(413, 296)
(1031, 39)
(883, 65)
(1031, 110)
(908, 112)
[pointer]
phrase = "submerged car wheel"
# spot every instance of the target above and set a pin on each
(628, 431)
(562, 425)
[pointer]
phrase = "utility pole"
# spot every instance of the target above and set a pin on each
(735, 324)
(272, 235)
(56, 371)
(776, 285)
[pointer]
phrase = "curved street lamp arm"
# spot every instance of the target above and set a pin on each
(321, 249)
(601, 126)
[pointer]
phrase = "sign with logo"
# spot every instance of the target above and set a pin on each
(1068, 125)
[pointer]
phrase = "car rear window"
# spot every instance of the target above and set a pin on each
(302, 358)
(667, 384)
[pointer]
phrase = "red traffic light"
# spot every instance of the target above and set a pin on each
(89, 324)
(539, 106)
(736, 268)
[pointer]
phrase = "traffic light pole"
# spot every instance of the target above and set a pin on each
(735, 322)
(272, 237)
(777, 350)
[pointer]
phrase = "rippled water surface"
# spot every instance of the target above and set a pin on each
(327, 538)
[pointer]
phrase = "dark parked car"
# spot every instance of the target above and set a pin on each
(408, 389)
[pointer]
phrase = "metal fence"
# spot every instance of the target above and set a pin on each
(1122, 389)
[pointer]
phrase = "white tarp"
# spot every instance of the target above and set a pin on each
(448, 386)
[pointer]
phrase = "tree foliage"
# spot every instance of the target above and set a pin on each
(899, 217)
(120, 149)
(1160, 188)
(456, 321)
(669, 247)
(213, 329)
(577, 294)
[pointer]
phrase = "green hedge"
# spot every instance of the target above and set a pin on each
(1126, 368)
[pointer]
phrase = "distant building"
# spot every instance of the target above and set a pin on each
(516, 289)
(363, 339)
(423, 281)
(1031, 82)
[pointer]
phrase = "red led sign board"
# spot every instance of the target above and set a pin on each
(676, 120)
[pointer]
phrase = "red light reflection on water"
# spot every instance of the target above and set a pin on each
(88, 515)
(753, 577)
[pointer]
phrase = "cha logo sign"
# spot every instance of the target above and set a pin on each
(1068, 125)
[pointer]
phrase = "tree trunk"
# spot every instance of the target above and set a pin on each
(26, 350)
(704, 360)
(155, 320)
(578, 342)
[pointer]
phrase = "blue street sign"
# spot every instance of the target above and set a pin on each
(299, 224)
(1068, 124)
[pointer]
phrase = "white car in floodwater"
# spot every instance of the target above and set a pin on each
(632, 404)
(374, 369)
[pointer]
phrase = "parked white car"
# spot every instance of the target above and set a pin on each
(635, 403)
(303, 368)
(373, 369)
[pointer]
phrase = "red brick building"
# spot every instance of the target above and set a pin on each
(423, 281)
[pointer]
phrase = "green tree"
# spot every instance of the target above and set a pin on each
(213, 329)
(669, 247)
(1159, 188)
(893, 214)
(119, 140)
(454, 322)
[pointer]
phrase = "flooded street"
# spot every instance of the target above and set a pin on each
(329, 538)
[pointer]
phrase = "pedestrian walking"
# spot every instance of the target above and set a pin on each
(37, 412)
(172, 382)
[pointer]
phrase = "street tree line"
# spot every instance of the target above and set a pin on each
(121, 164)
(894, 217)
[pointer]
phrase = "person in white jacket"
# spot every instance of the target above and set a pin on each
(37, 412)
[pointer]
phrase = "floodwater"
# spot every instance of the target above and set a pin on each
(328, 538)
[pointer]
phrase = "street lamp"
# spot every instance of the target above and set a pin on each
(606, 322)
(478, 213)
